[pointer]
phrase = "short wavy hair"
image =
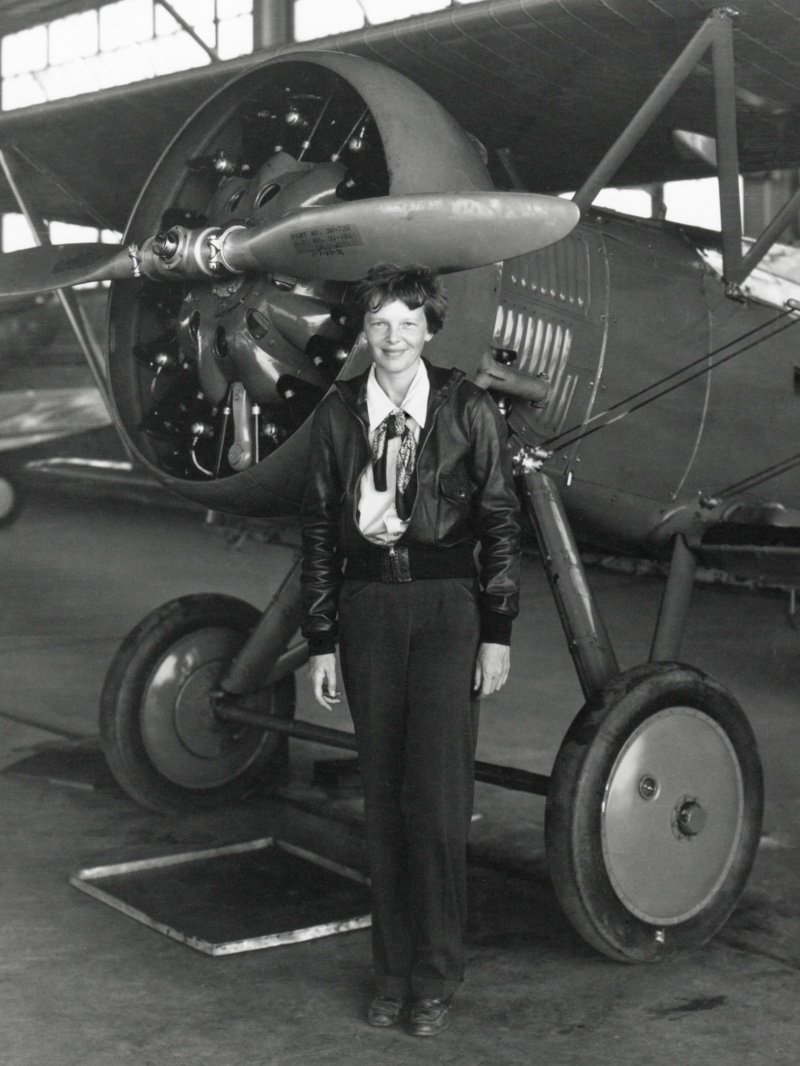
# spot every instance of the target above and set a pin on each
(416, 286)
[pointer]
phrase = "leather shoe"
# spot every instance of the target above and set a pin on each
(429, 1017)
(385, 1011)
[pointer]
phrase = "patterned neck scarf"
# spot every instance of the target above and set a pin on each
(395, 425)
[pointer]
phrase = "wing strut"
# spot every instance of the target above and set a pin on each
(768, 237)
(716, 33)
(730, 208)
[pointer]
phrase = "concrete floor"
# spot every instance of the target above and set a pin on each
(82, 985)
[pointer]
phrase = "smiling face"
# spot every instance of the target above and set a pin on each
(396, 335)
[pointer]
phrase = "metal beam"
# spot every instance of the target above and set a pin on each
(362, 5)
(273, 23)
(190, 30)
(650, 109)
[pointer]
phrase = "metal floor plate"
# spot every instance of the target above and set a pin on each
(242, 897)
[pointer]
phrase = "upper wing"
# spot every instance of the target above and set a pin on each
(545, 85)
(554, 82)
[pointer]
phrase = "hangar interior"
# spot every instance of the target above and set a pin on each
(87, 559)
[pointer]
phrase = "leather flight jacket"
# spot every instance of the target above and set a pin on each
(464, 496)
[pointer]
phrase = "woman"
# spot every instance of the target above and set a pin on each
(409, 470)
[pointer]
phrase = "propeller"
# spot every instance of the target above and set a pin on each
(338, 242)
(446, 231)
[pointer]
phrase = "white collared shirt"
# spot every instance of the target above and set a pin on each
(377, 514)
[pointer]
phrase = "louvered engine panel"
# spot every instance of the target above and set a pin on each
(551, 312)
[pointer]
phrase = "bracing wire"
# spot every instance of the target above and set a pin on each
(756, 479)
(585, 430)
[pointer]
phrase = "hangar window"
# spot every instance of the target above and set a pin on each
(15, 233)
(120, 42)
(321, 18)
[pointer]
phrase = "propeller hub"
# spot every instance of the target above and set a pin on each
(166, 245)
(183, 253)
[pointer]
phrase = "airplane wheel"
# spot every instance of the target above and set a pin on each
(9, 501)
(654, 813)
(161, 738)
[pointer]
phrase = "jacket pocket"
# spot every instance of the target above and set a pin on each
(469, 586)
(456, 495)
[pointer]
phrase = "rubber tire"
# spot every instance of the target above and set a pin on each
(10, 501)
(126, 687)
(574, 811)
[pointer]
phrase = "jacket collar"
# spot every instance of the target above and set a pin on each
(415, 403)
(443, 380)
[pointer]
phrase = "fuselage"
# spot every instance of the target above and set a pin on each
(612, 314)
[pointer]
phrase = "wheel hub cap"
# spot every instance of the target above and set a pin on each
(195, 721)
(183, 737)
(672, 816)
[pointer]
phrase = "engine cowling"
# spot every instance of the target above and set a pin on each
(214, 380)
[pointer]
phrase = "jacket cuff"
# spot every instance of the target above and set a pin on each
(495, 628)
(321, 644)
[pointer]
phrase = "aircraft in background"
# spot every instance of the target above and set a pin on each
(47, 394)
(668, 427)
(56, 429)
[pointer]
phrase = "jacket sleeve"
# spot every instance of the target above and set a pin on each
(497, 512)
(319, 525)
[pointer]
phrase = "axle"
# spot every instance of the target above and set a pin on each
(506, 776)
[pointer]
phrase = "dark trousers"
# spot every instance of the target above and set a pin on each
(408, 656)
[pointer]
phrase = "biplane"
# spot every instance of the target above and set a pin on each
(251, 194)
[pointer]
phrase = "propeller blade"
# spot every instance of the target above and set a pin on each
(57, 266)
(445, 231)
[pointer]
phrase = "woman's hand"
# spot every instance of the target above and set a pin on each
(491, 669)
(322, 675)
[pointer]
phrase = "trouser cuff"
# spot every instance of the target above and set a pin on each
(443, 990)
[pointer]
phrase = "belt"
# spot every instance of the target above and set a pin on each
(410, 562)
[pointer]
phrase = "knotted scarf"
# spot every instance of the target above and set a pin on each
(395, 425)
